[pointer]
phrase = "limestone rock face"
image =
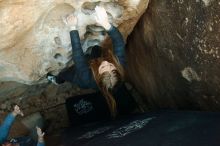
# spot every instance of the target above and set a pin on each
(34, 39)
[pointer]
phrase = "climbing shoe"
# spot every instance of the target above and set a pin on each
(52, 79)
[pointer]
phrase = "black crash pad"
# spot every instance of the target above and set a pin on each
(162, 128)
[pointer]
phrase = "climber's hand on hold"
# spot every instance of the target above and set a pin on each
(17, 111)
(71, 21)
(102, 17)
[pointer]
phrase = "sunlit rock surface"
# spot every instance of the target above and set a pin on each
(34, 40)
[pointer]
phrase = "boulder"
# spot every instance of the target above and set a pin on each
(35, 40)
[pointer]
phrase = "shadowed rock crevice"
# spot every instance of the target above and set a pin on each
(88, 8)
(94, 36)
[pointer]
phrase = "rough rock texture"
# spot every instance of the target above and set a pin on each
(175, 63)
(35, 41)
(173, 55)
(47, 99)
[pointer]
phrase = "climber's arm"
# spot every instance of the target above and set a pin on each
(6, 125)
(115, 35)
(118, 44)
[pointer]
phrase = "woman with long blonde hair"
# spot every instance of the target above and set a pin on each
(104, 71)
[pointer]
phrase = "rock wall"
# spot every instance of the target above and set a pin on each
(175, 61)
(173, 52)
(35, 41)
(46, 99)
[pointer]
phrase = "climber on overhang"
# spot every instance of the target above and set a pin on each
(104, 71)
(21, 141)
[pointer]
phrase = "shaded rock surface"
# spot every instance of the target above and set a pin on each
(46, 99)
(175, 62)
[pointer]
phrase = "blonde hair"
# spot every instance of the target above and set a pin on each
(103, 80)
